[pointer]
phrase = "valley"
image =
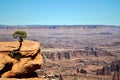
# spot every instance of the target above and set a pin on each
(77, 52)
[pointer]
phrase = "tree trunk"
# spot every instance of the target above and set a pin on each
(20, 46)
(20, 41)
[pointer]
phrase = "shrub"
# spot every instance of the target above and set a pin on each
(15, 55)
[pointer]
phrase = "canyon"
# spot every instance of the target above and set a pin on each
(76, 52)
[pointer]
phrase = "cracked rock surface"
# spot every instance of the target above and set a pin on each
(25, 66)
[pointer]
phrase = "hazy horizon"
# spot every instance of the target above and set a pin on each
(24, 25)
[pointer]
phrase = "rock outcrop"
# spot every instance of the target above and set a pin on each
(30, 60)
(104, 71)
(77, 53)
(114, 68)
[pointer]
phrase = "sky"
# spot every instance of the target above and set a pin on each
(60, 12)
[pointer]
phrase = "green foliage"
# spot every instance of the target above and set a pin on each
(20, 34)
(15, 55)
(11, 54)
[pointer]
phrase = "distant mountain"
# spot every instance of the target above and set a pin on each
(55, 26)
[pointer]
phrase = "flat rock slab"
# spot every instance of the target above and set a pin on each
(26, 45)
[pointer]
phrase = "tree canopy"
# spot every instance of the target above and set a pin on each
(20, 34)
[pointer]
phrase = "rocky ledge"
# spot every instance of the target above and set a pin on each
(30, 59)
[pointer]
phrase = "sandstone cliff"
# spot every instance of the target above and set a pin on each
(30, 59)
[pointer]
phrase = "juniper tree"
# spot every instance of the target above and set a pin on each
(20, 35)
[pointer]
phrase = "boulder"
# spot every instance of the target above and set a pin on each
(30, 59)
(83, 71)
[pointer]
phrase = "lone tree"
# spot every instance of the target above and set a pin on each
(20, 35)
